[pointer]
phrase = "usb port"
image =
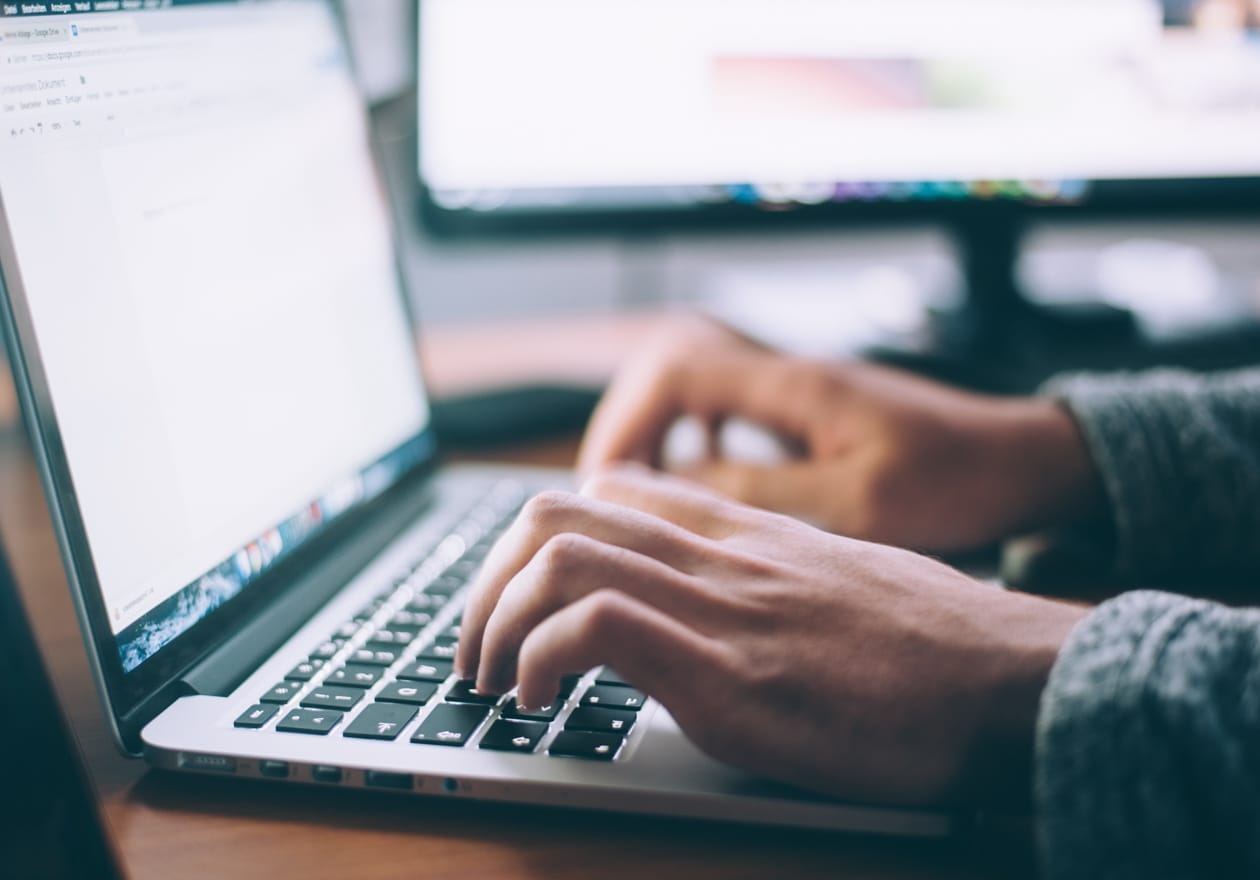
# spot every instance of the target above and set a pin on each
(274, 769)
(381, 779)
(324, 773)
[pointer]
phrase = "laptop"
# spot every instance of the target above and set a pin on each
(52, 828)
(218, 370)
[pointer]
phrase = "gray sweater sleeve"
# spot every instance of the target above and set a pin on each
(1148, 740)
(1148, 743)
(1179, 458)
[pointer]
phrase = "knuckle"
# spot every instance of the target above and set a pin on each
(545, 509)
(662, 378)
(603, 612)
(563, 556)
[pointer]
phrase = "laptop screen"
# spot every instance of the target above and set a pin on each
(192, 215)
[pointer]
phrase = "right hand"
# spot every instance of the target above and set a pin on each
(860, 671)
(884, 456)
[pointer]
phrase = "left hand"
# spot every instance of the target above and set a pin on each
(849, 668)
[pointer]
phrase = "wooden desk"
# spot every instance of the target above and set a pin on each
(169, 825)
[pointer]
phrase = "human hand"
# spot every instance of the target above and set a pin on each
(883, 455)
(844, 667)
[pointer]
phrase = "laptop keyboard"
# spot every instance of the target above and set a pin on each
(386, 673)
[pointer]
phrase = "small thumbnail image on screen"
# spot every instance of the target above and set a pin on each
(1213, 14)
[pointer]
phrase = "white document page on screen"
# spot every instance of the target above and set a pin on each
(217, 311)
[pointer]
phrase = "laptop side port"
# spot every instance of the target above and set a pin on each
(274, 769)
(324, 773)
(207, 763)
(381, 779)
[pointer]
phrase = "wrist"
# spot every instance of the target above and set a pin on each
(998, 769)
(1052, 478)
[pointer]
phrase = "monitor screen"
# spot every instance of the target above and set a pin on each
(532, 106)
(193, 225)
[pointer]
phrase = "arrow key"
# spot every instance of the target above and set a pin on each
(514, 736)
(451, 724)
(381, 721)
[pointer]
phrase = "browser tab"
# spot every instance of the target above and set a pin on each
(26, 34)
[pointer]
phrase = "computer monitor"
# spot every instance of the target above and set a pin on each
(664, 114)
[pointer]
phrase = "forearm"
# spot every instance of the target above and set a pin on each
(1148, 743)
(1178, 456)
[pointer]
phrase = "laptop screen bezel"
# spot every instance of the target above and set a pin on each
(128, 696)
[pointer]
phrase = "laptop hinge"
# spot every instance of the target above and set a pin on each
(229, 664)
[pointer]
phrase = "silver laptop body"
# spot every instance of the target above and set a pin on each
(210, 341)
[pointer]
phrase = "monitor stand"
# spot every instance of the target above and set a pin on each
(999, 340)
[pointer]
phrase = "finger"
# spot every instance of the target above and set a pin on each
(631, 421)
(713, 427)
(824, 494)
(553, 513)
(658, 653)
(695, 507)
(569, 568)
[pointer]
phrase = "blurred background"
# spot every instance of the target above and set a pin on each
(990, 191)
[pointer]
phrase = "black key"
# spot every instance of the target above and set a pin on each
(544, 713)
(592, 746)
(450, 724)
(347, 630)
(376, 656)
(427, 670)
(413, 620)
(616, 721)
(368, 611)
(452, 632)
(256, 716)
(387, 638)
(317, 721)
(414, 693)
(326, 697)
(281, 693)
(612, 697)
(567, 684)
(305, 671)
(608, 675)
(513, 736)
(477, 553)
(380, 721)
(443, 648)
(462, 570)
(466, 692)
(446, 585)
(426, 603)
(327, 649)
(355, 676)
